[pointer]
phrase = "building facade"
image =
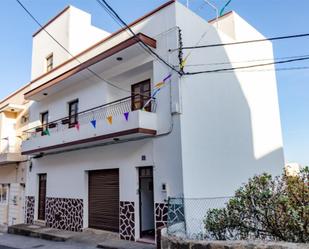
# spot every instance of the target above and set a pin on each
(14, 118)
(115, 132)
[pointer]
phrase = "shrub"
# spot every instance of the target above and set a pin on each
(265, 208)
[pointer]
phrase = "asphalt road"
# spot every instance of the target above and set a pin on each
(5, 247)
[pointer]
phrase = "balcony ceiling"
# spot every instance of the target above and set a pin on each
(99, 64)
(14, 108)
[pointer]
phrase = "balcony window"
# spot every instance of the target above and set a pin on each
(73, 113)
(141, 93)
(49, 62)
(3, 193)
(44, 122)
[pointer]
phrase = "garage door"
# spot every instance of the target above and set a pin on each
(104, 199)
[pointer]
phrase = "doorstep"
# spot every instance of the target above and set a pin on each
(42, 232)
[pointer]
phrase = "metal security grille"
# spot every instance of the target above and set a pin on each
(104, 199)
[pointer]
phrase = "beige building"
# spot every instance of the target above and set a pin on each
(13, 166)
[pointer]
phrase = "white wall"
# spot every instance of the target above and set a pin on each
(73, 30)
(230, 125)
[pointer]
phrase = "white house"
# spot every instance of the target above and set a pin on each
(106, 156)
(13, 120)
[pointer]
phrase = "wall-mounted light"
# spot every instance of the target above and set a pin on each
(119, 58)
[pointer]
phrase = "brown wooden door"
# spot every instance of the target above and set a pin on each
(42, 196)
(141, 93)
(104, 199)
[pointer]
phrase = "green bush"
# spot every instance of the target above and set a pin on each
(265, 208)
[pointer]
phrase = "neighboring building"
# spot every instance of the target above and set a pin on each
(292, 169)
(13, 166)
(101, 160)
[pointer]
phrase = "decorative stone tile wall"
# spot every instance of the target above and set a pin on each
(127, 220)
(161, 214)
(29, 209)
(64, 213)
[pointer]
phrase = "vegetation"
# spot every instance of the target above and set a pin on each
(265, 208)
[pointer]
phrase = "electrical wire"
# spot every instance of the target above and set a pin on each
(245, 67)
(245, 61)
(245, 42)
(112, 12)
(74, 57)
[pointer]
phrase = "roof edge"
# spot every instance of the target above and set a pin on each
(51, 20)
(105, 39)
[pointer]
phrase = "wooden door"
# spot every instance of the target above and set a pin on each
(42, 196)
(104, 199)
(141, 93)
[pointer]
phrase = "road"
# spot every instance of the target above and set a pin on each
(9, 241)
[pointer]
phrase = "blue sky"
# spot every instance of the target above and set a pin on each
(270, 17)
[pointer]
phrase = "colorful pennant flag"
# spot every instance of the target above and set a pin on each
(94, 123)
(126, 115)
(46, 132)
(167, 77)
(77, 126)
(110, 119)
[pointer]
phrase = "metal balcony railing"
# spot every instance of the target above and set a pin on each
(115, 108)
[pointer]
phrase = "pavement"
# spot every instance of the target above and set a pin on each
(89, 239)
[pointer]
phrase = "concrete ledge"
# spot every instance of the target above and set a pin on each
(171, 242)
(122, 244)
(41, 232)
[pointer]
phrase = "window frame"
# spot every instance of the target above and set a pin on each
(44, 125)
(141, 99)
(49, 62)
(73, 116)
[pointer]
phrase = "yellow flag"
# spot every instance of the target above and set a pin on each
(110, 119)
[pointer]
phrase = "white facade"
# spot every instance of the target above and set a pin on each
(13, 166)
(207, 134)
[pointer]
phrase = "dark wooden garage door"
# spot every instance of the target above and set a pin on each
(104, 199)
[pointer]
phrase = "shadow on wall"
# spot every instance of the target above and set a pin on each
(221, 153)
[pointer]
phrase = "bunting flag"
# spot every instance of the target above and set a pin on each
(94, 123)
(46, 132)
(77, 126)
(110, 119)
(126, 115)
(167, 77)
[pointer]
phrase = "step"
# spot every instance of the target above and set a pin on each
(41, 232)
(122, 244)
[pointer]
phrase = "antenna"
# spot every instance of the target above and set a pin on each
(211, 5)
(216, 9)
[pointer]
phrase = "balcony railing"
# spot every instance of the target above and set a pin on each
(115, 108)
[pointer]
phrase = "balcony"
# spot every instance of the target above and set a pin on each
(10, 152)
(111, 122)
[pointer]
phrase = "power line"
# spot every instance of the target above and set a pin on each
(244, 42)
(270, 69)
(245, 61)
(145, 47)
(74, 57)
(245, 67)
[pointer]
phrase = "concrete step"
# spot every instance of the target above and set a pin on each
(122, 244)
(41, 223)
(41, 232)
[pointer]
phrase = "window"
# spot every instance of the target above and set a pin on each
(141, 93)
(3, 193)
(44, 122)
(49, 62)
(73, 113)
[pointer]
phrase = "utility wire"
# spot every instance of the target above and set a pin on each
(146, 47)
(245, 61)
(244, 42)
(245, 67)
(74, 57)
(269, 69)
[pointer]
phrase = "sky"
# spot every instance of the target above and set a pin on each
(270, 17)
